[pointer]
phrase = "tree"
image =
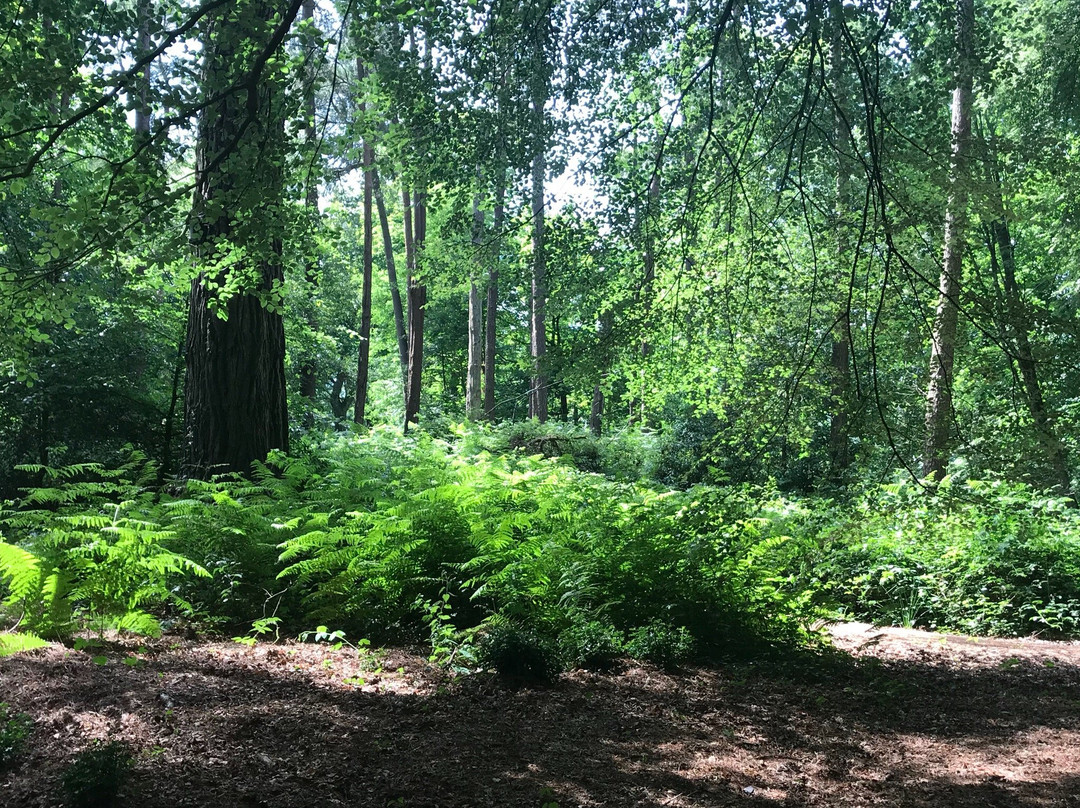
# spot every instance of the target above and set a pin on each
(234, 400)
(939, 393)
(538, 387)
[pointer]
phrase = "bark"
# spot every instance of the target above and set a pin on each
(416, 299)
(473, 403)
(308, 379)
(649, 225)
(364, 351)
(596, 414)
(1017, 327)
(391, 274)
(939, 394)
(490, 335)
(339, 397)
(538, 388)
(143, 43)
(234, 397)
(840, 358)
(538, 91)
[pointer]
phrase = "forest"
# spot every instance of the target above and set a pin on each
(585, 345)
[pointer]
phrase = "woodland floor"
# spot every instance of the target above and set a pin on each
(900, 718)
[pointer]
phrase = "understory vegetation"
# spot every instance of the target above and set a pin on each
(523, 562)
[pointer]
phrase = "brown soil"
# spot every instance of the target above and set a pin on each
(900, 718)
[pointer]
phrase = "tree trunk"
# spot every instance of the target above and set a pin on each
(234, 398)
(596, 415)
(364, 351)
(144, 10)
(416, 294)
(840, 359)
(538, 388)
(308, 380)
(1017, 326)
(339, 398)
(473, 403)
(391, 274)
(490, 334)
(939, 394)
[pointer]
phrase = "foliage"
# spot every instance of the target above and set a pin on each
(534, 539)
(978, 557)
(517, 653)
(660, 643)
(96, 775)
(14, 730)
(87, 547)
(590, 644)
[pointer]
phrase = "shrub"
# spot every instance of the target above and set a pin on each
(592, 645)
(978, 557)
(660, 643)
(517, 653)
(14, 730)
(90, 544)
(96, 776)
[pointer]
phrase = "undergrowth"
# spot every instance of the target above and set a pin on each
(412, 539)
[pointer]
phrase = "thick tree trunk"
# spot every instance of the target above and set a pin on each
(234, 398)
(364, 351)
(939, 394)
(490, 333)
(473, 403)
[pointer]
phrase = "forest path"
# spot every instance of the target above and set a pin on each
(895, 718)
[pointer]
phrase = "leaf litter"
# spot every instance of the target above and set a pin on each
(890, 717)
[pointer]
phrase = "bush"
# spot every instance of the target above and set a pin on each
(661, 644)
(14, 730)
(592, 645)
(979, 557)
(517, 653)
(96, 776)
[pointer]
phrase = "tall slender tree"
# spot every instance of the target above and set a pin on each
(939, 394)
(538, 90)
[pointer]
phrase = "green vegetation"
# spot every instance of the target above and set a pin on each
(14, 730)
(96, 776)
(527, 564)
(660, 415)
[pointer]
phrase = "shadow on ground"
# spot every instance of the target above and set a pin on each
(216, 724)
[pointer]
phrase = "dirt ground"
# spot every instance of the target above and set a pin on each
(899, 718)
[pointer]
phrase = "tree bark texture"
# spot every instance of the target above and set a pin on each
(234, 398)
(364, 352)
(391, 275)
(840, 355)
(538, 91)
(538, 388)
(308, 379)
(596, 414)
(416, 299)
(491, 322)
(939, 394)
(473, 403)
